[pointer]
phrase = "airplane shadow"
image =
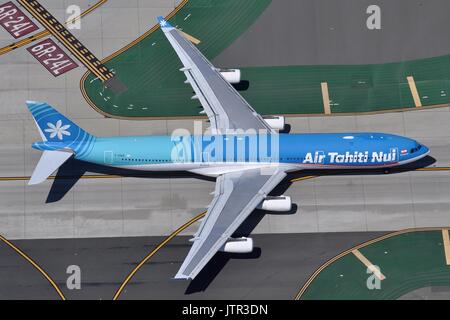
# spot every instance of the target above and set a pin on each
(214, 267)
(287, 128)
(422, 163)
(218, 262)
(70, 172)
(243, 85)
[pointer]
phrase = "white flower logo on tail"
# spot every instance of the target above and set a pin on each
(57, 130)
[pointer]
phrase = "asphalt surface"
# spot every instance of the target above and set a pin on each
(303, 32)
(156, 205)
(278, 267)
(428, 293)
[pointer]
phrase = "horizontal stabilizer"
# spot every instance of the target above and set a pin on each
(50, 161)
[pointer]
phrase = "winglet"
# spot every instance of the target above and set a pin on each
(163, 23)
(180, 276)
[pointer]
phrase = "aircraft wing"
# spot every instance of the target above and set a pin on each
(236, 195)
(224, 106)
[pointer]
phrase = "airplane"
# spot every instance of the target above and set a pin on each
(247, 155)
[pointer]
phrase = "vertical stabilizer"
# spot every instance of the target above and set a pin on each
(61, 138)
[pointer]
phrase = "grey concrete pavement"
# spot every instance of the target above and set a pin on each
(154, 206)
(291, 246)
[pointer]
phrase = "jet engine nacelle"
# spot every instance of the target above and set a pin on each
(279, 204)
(275, 122)
(238, 245)
(231, 75)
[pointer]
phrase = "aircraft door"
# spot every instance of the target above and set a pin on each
(108, 157)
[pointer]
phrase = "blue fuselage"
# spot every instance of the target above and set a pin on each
(298, 151)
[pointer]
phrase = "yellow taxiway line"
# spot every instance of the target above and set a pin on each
(88, 176)
(32, 7)
(357, 247)
(446, 242)
(45, 33)
(414, 92)
(154, 251)
(143, 261)
(128, 46)
(376, 271)
(115, 176)
(325, 98)
(434, 169)
(190, 38)
(173, 234)
(35, 265)
(167, 240)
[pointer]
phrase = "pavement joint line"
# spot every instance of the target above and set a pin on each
(446, 242)
(325, 265)
(414, 92)
(44, 33)
(63, 38)
(201, 215)
(154, 28)
(141, 263)
(114, 176)
(326, 98)
(35, 265)
(43, 19)
(298, 179)
(376, 271)
(120, 51)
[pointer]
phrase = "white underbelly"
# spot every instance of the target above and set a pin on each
(212, 169)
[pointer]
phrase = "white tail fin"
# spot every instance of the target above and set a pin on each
(50, 161)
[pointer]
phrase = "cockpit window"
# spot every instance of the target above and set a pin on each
(413, 150)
